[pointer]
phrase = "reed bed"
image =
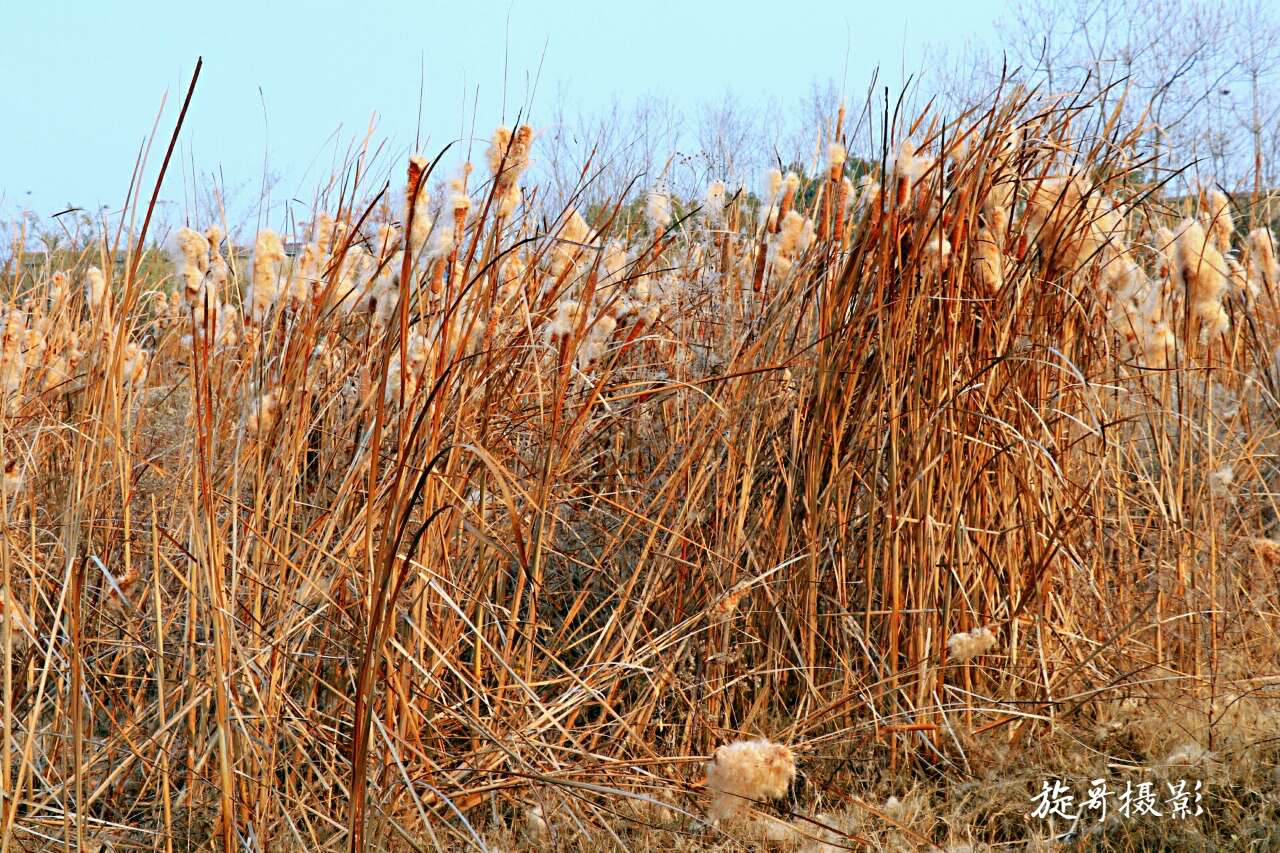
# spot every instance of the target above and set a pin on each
(478, 522)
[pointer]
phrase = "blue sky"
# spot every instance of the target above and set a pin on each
(289, 83)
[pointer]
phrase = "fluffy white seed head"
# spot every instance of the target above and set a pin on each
(796, 235)
(190, 253)
(268, 255)
(459, 201)
(133, 369)
(509, 198)
(565, 320)
(908, 166)
(417, 212)
(658, 209)
(967, 645)
(263, 413)
(746, 771)
(1263, 271)
(498, 145)
(1221, 480)
(603, 327)
(773, 184)
(715, 202)
(442, 242)
(508, 153)
(836, 156)
(1221, 224)
(95, 287)
(535, 827)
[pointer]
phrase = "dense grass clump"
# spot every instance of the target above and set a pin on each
(449, 518)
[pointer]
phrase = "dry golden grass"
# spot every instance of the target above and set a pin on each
(494, 540)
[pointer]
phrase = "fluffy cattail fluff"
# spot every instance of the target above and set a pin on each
(1203, 270)
(508, 152)
(509, 198)
(397, 374)
(657, 210)
(263, 414)
(771, 219)
(217, 275)
(746, 771)
(35, 346)
(565, 321)
(937, 247)
(508, 158)
(268, 255)
(498, 145)
(604, 327)
(13, 364)
(967, 645)
(1238, 277)
(58, 288)
(790, 185)
(590, 352)
(835, 160)
(384, 293)
(1165, 243)
(95, 288)
(988, 260)
(133, 370)
(568, 246)
(1124, 277)
(61, 369)
(224, 318)
(190, 253)
(640, 289)
(593, 349)
(906, 170)
(442, 243)
(1221, 224)
(715, 202)
(417, 215)
(1158, 345)
(997, 207)
(869, 196)
(1061, 211)
(1262, 261)
(795, 236)
(354, 274)
(773, 185)
(459, 201)
(310, 269)
(614, 261)
(535, 827)
(322, 232)
(1220, 481)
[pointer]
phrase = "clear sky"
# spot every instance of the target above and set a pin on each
(83, 81)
